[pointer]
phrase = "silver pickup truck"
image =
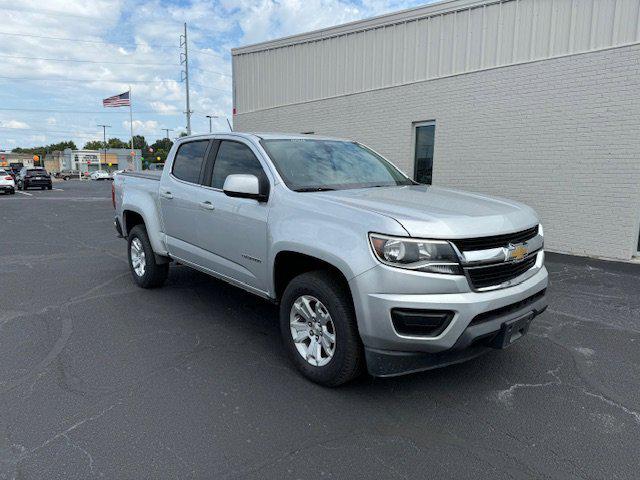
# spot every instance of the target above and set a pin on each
(370, 270)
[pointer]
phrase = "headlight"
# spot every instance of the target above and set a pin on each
(434, 256)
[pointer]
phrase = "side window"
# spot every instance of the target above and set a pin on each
(188, 161)
(234, 158)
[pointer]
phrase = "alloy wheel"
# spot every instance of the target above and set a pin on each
(312, 330)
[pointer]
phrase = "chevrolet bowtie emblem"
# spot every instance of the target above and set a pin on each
(515, 253)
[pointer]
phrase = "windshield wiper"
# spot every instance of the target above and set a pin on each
(314, 189)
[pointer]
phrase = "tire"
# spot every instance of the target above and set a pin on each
(12, 191)
(347, 361)
(20, 187)
(153, 274)
(42, 188)
(50, 187)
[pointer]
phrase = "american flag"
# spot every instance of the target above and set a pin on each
(121, 100)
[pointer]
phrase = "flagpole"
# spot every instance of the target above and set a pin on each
(133, 160)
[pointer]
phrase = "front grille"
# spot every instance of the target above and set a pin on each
(514, 307)
(496, 274)
(496, 241)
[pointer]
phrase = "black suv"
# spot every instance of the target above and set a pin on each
(33, 177)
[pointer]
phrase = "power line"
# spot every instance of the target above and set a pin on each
(96, 42)
(53, 13)
(210, 54)
(31, 131)
(104, 62)
(211, 71)
(212, 88)
(38, 110)
(89, 80)
(91, 61)
(200, 51)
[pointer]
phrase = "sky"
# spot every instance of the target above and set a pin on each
(60, 58)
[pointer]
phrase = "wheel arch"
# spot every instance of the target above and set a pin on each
(289, 263)
(132, 216)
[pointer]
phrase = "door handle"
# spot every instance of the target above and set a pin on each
(207, 206)
(167, 195)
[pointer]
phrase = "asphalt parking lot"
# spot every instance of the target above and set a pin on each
(100, 379)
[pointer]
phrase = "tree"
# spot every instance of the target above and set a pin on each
(160, 148)
(42, 150)
(94, 145)
(116, 143)
(139, 142)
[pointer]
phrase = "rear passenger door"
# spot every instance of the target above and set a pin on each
(179, 193)
(233, 230)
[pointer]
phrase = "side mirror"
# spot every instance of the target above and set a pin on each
(244, 186)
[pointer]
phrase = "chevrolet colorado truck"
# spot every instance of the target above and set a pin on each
(370, 269)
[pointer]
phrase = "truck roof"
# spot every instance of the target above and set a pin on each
(265, 136)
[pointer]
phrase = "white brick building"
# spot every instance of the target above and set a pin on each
(535, 100)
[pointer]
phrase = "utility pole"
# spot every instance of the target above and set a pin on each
(210, 117)
(184, 74)
(104, 143)
(167, 130)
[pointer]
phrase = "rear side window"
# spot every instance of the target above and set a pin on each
(188, 161)
(234, 158)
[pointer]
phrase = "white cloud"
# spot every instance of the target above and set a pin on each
(141, 127)
(13, 124)
(163, 107)
(51, 121)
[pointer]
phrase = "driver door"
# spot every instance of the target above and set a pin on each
(233, 231)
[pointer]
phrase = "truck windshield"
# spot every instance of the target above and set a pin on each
(308, 165)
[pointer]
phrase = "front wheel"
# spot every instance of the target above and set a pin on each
(142, 262)
(319, 329)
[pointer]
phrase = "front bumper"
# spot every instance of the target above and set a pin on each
(390, 353)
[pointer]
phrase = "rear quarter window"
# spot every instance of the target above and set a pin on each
(189, 160)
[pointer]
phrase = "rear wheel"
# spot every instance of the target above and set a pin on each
(42, 188)
(319, 329)
(146, 272)
(50, 187)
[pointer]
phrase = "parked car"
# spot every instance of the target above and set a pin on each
(7, 183)
(67, 174)
(368, 267)
(100, 175)
(34, 177)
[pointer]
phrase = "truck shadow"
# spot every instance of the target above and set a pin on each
(250, 320)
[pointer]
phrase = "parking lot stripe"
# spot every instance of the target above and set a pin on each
(25, 193)
(59, 189)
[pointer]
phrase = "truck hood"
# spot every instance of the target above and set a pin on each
(435, 212)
